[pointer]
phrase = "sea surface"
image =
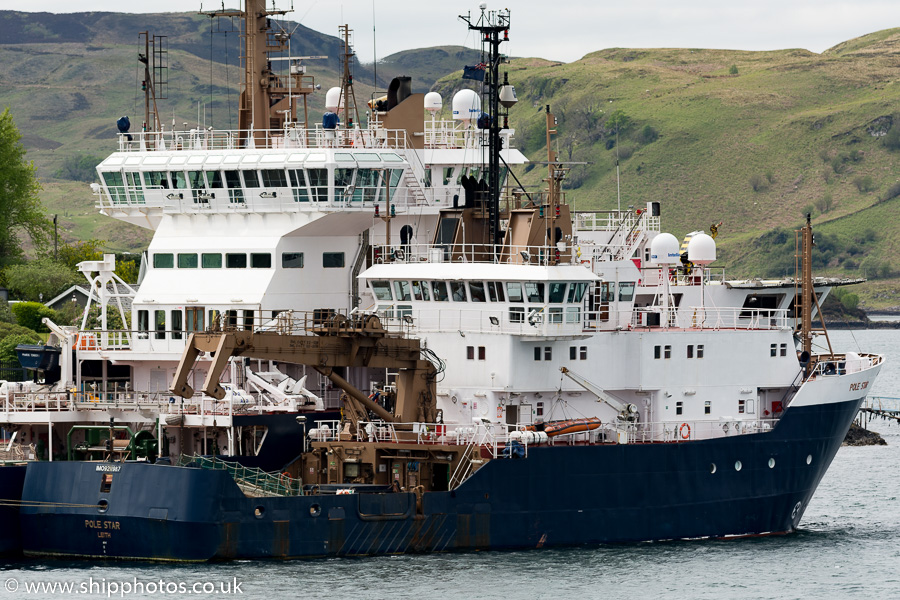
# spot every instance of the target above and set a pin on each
(848, 546)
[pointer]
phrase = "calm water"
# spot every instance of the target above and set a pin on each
(848, 547)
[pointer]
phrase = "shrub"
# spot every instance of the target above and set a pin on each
(891, 139)
(837, 164)
(29, 314)
(864, 184)
(770, 176)
(825, 155)
(80, 167)
(9, 343)
(809, 209)
(856, 155)
(733, 70)
(625, 152)
(648, 135)
(618, 121)
(825, 203)
(893, 191)
(756, 182)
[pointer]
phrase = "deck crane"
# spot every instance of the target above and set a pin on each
(627, 412)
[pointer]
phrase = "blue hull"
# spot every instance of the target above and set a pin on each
(12, 480)
(560, 495)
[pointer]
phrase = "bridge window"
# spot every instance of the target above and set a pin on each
(235, 261)
(260, 260)
(458, 291)
(401, 289)
(514, 291)
(211, 261)
(495, 291)
(235, 191)
(517, 314)
(115, 186)
(198, 183)
(248, 320)
(576, 291)
(534, 291)
(573, 314)
(214, 179)
(187, 261)
(556, 314)
(298, 185)
(343, 179)
(176, 324)
(156, 180)
(439, 289)
(143, 321)
(366, 185)
(273, 178)
(159, 322)
(476, 289)
(420, 290)
(251, 179)
(163, 261)
(557, 292)
(382, 290)
(626, 291)
(291, 260)
(333, 260)
(318, 184)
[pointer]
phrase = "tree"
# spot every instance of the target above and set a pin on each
(80, 167)
(76, 252)
(20, 206)
(618, 121)
(30, 314)
(43, 276)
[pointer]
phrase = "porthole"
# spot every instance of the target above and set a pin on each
(102, 506)
(712, 467)
(315, 510)
(259, 512)
(809, 459)
(737, 465)
(771, 463)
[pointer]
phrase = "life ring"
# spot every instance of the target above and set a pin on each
(286, 480)
(586, 262)
(398, 254)
(681, 431)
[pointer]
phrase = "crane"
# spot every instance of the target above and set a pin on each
(627, 412)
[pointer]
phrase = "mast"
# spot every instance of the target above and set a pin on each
(348, 98)
(806, 292)
(490, 25)
(155, 77)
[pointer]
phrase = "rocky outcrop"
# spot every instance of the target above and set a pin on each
(857, 436)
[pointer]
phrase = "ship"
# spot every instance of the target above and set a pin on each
(494, 369)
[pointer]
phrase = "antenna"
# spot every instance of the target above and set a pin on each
(490, 25)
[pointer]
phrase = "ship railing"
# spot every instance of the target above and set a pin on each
(382, 252)
(525, 320)
(253, 482)
(654, 275)
(161, 402)
(263, 199)
(687, 430)
(831, 365)
(700, 317)
(102, 339)
(274, 139)
(615, 220)
(453, 134)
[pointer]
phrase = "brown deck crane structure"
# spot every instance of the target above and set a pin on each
(323, 343)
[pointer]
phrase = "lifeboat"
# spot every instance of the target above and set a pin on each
(554, 428)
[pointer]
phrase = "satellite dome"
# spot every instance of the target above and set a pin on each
(433, 102)
(333, 99)
(466, 105)
(664, 249)
(701, 249)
